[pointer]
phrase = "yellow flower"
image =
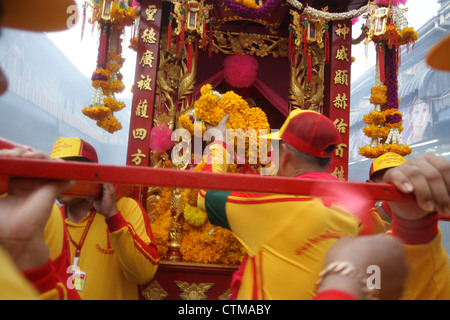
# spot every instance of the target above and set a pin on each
(110, 124)
(248, 3)
(379, 96)
(375, 118)
(373, 131)
(194, 216)
(408, 35)
(113, 104)
(160, 231)
(116, 86)
(187, 124)
(96, 112)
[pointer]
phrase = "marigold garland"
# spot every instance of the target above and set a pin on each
(379, 96)
(122, 16)
(194, 216)
(384, 123)
(210, 244)
(200, 241)
(110, 124)
(96, 112)
(248, 3)
(187, 124)
(211, 107)
(113, 104)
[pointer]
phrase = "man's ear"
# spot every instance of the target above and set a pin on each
(285, 155)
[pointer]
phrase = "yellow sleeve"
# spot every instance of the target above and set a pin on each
(429, 274)
(13, 284)
(132, 241)
(54, 233)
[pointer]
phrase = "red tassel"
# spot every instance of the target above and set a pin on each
(327, 47)
(210, 41)
(309, 65)
(381, 61)
(178, 44)
(196, 49)
(305, 39)
(169, 36)
(189, 55)
(204, 32)
(182, 31)
(103, 47)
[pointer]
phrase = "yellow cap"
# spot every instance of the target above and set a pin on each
(309, 132)
(385, 161)
(73, 147)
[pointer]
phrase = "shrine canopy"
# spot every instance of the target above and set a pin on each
(271, 85)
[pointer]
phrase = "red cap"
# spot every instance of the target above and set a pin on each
(309, 132)
(73, 147)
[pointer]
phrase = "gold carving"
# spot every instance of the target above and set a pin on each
(225, 295)
(153, 196)
(304, 94)
(260, 45)
(193, 291)
(318, 27)
(194, 15)
(154, 292)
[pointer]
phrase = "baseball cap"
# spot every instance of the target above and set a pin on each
(385, 161)
(437, 57)
(34, 15)
(309, 132)
(73, 148)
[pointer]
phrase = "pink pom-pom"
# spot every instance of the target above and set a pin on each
(393, 2)
(240, 70)
(160, 138)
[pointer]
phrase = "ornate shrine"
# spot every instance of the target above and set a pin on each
(268, 58)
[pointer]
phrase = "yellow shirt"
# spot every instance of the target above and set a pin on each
(286, 237)
(13, 285)
(118, 256)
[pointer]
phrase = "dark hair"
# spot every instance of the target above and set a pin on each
(79, 159)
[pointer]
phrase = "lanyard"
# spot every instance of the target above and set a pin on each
(79, 245)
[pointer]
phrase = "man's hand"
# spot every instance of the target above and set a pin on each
(381, 251)
(106, 205)
(24, 212)
(428, 178)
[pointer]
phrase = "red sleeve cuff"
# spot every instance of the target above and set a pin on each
(334, 295)
(417, 231)
(116, 222)
(43, 278)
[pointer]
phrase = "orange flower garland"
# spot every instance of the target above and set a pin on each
(248, 3)
(122, 16)
(200, 241)
(96, 112)
(384, 123)
(211, 107)
(110, 124)
(187, 124)
(113, 104)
